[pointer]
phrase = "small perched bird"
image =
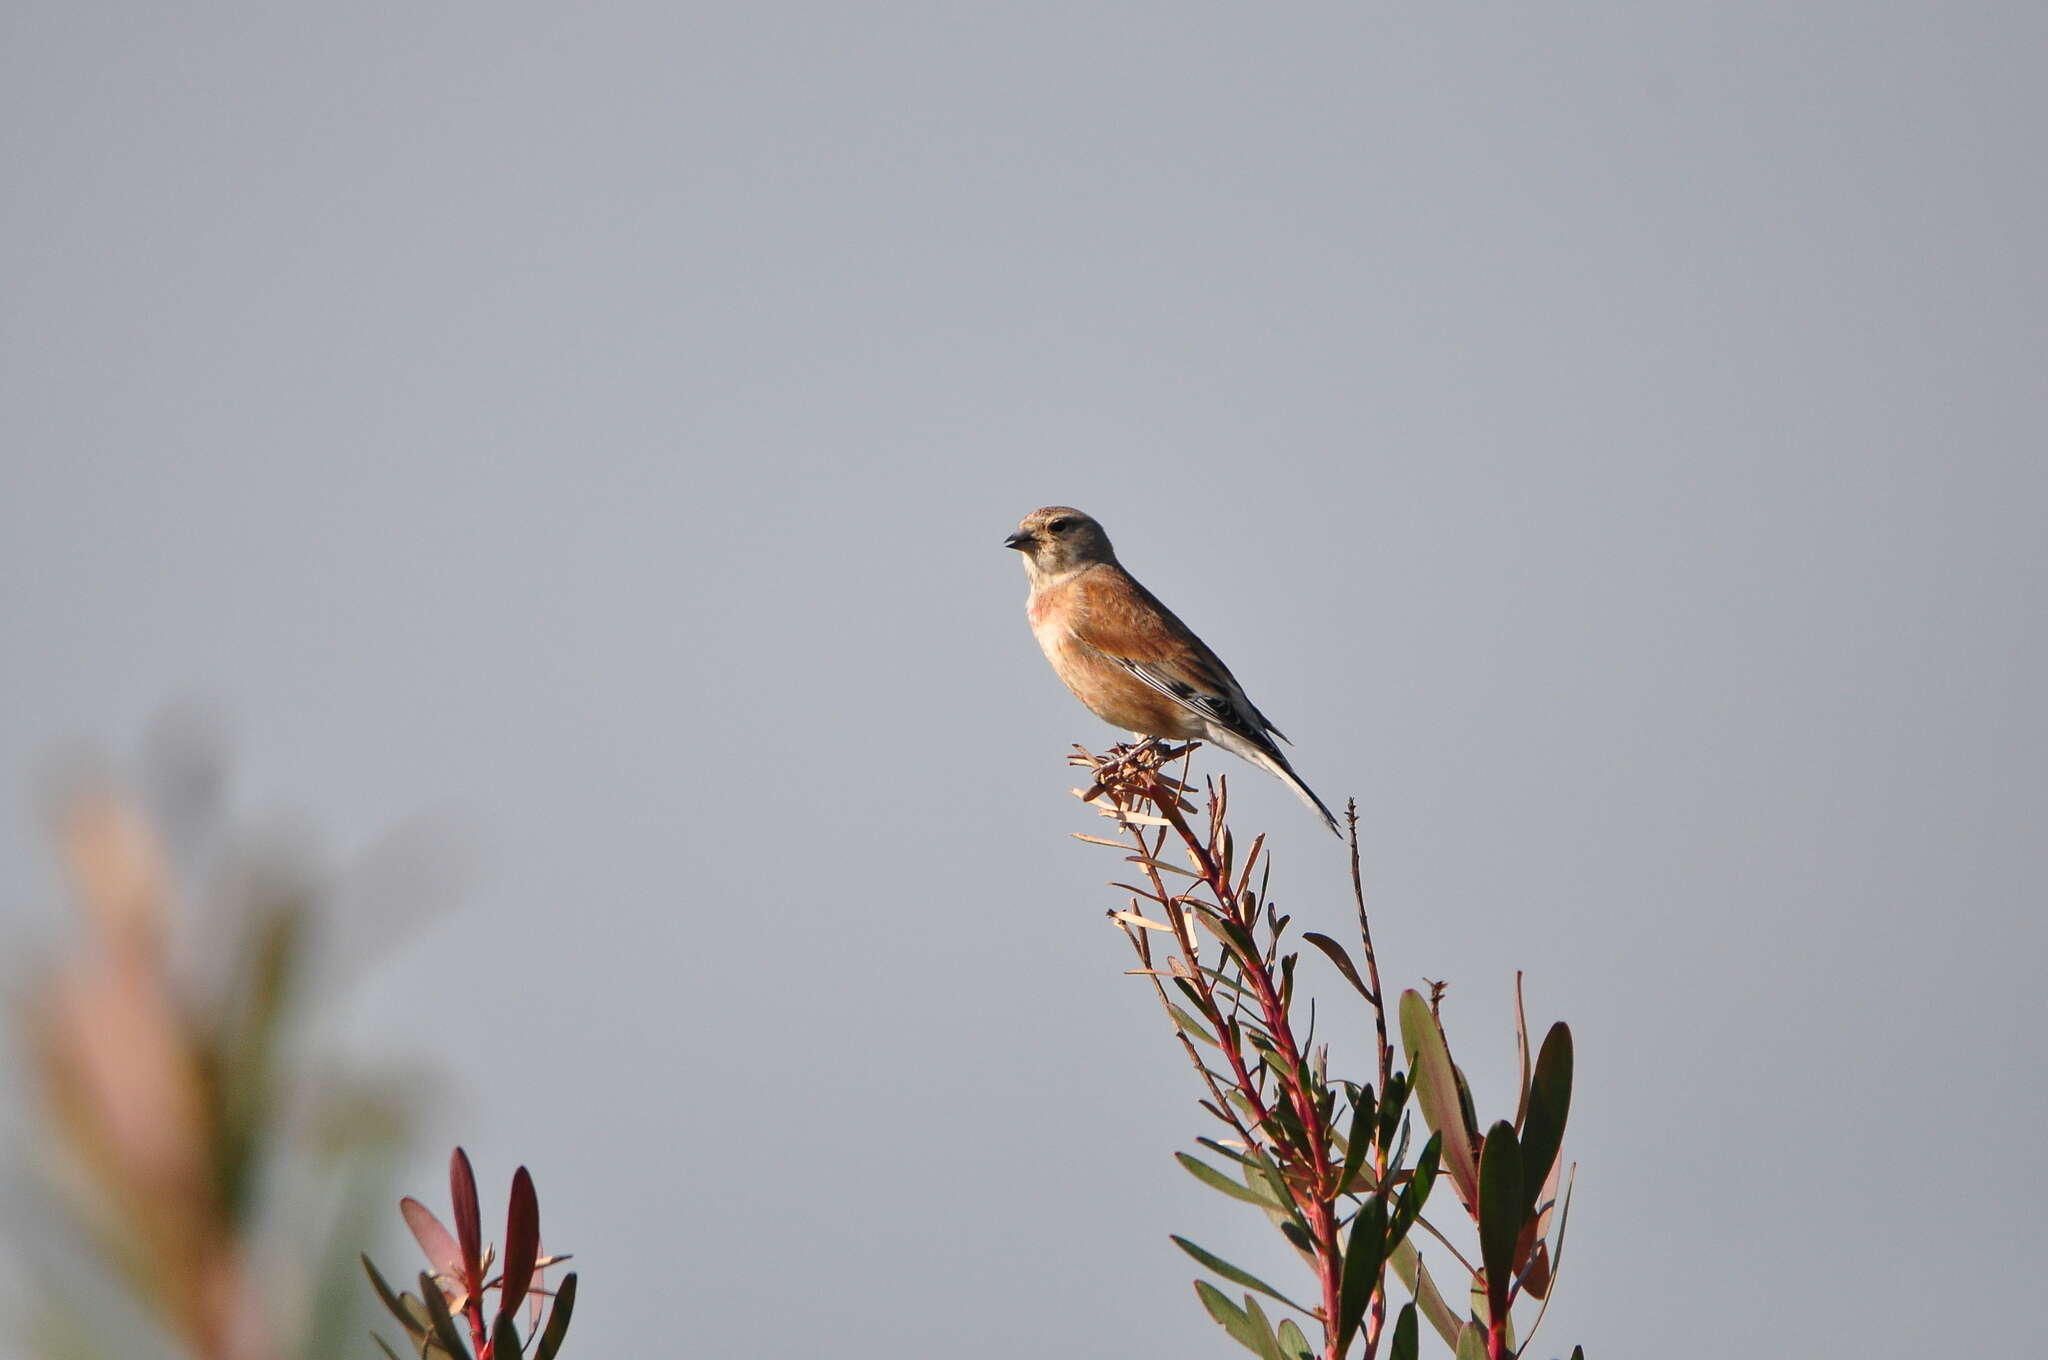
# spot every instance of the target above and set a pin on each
(1126, 656)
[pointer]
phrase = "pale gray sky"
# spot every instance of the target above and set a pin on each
(1607, 437)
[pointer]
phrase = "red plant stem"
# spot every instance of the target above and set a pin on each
(473, 1309)
(1317, 1201)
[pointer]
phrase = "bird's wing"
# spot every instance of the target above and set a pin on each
(1120, 619)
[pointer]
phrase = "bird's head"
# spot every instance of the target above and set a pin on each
(1059, 540)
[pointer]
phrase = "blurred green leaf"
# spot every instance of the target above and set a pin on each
(1472, 1342)
(1436, 1090)
(1500, 1213)
(1293, 1344)
(446, 1335)
(504, 1338)
(1405, 1340)
(1234, 1274)
(390, 1298)
(388, 1352)
(558, 1320)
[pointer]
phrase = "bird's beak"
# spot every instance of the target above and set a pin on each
(1019, 540)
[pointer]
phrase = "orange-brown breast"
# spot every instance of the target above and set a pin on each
(1082, 623)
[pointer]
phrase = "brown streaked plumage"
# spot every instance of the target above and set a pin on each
(1126, 656)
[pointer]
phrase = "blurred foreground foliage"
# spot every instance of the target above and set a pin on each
(199, 1179)
(1327, 1159)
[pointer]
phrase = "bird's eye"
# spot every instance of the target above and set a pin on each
(1060, 526)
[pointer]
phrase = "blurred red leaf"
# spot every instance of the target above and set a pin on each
(436, 1241)
(522, 1243)
(468, 1221)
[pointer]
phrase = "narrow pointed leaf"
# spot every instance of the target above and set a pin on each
(1364, 1257)
(388, 1352)
(1416, 1192)
(1550, 1100)
(1522, 1049)
(1216, 1180)
(1358, 1150)
(1436, 1090)
(1262, 1330)
(1230, 1317)
(390, 1298)
(1500, 1213)
(558, 1320)
(1414, 1273)
(522, 1243)
(1293, 1344)
(1234, 1274)
(504, 1339)
(1405, 1340)
(1190, 1026)
(1392, 1101)
(469, 1225)
(445, 1333)
(435, 1241)
(1335, 953)
(1472, 1342)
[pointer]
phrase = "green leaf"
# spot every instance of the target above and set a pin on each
(1436, 1090)
(1364, 1118)
(1408, 1264)
(1262, 1328)
(1236, 1321)
(1190, 1026)
(1392, 1101)
(1297, 1236)
(1472, 1342)
(1405, 1340)
(505, 1337)
(388, 1352)
(1293, 1344)
(1417, 1190)
(1234, 1274)
(1335, 953)
(390, 1299)
(558, 1319)
(1500, 1213)
(1365, 1257)
(1216, 1180)
(1550, 1100)
(1578, 1353)
(445, 1334)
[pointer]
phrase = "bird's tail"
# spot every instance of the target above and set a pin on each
(1268, 757)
